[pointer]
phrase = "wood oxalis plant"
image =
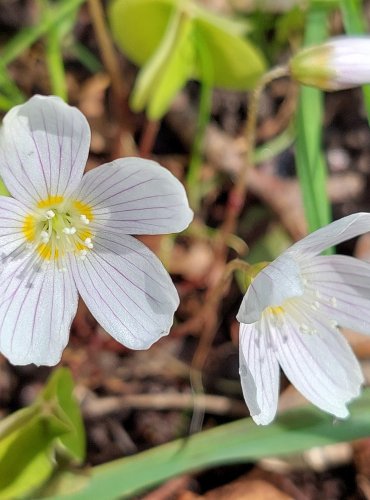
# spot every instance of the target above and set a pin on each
(64, 233)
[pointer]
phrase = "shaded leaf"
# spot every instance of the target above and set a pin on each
(59, 393)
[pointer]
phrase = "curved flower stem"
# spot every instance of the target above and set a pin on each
(237, 194)
(233, 209)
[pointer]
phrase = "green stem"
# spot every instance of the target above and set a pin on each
(54, 60)
(193, 176)
(28, 36)
(204, 115)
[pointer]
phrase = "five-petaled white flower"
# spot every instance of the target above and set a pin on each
(62, 232)
(290, 317)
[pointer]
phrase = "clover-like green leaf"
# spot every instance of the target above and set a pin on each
(170, 39)
(139, 25)
(59, 394)
(167, 70)
(236, 63)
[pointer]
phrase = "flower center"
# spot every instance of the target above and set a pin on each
(59, 226)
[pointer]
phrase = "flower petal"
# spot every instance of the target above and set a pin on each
(332, 234)
(44, 145)
(259, 371)
(135, 196)
(342, 288)
(127, 289)
(320, 364)
(272, 286)
(12, 219)
(36, 310)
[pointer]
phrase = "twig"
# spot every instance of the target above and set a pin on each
(106, 48)
(123, 140)
(148, 138)
(217, 405)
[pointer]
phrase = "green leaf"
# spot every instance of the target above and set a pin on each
(289, 25)
(240, 441)
(236, 63)
(66, 481)
(167, 38)
(168, 69)
(29, 438)
(59, 393)
(270, 246)
(26, 37)
(138, 26)
(310, 162)
(26, 458)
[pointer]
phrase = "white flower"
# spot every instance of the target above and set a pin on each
(290, 317)
(340, 63)
(61, 233)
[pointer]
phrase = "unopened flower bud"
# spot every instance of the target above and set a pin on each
(340, 63)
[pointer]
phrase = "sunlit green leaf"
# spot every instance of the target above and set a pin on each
(310, 162)
(30, 438)
(236, 63)
(67, 481)
(171, 52)
(167, 70)
(131, 19)
(59, 393)
(26, 458)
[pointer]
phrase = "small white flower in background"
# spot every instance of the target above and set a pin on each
(338, 64)
(62, 232)
(290, 317)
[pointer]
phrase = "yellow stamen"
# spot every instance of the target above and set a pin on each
(44, 250)
(58, 227)
(29, 228)
(50, 201)
(84, 209)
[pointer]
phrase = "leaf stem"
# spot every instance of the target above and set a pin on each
(106, 48)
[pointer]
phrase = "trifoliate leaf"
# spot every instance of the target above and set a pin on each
(236, 63)
(138, 26)
(167, 71)
(169, 39)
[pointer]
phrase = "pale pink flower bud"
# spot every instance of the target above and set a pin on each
(340, 63)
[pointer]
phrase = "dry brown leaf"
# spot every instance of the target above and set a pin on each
(247, 489)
